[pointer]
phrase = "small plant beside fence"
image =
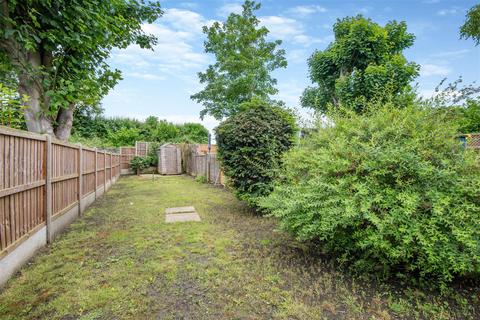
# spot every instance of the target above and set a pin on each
(44, 185)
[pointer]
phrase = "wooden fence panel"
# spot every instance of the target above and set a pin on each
(88, 172)
(22, 181)
(64, 177)
(197, 162)
(108, 168)
(127, 154)
(116, 165)
(141, 148)
(100, 168)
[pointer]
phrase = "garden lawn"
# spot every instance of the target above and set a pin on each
(122, 261)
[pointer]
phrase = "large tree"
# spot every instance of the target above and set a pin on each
(244, 61)
(364, 62)
(58, 50)
(471, 27)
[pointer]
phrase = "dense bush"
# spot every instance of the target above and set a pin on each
(138, 164)
(90, 125)
(389, 190)
(250, 146)
(11, 108)
(152, 156)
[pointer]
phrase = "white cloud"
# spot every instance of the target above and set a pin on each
(190, 5)
(446, 12)
(176, 53)
(419, 28)
(426, 93)
(185, 20)
(226, 9)
(281, 27)
(297, 56)
(364, 10)
(288, 29)
(451, 54)
(306, 10)
(145, 76)
(290, 92)
(427, 70)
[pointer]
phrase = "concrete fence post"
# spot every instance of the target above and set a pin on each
(80, 179)
(207, 165)
(104, 171)
(96, 172)
(48, 188)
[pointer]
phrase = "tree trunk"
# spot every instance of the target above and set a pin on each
(64, 122)
(35, 117)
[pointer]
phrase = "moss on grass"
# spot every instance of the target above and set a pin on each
(121, 261)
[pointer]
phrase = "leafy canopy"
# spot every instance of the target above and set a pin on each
(244, 61)
(250, 146)
(390, 189)
(59, 48)
(93, 126)
(471, 27)
(11, 106)
(363, 63)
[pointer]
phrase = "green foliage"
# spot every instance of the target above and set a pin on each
(89, 124)
(193, 133)
(469, 117)
(11, 108)
(124, 136)
(92, 142)
(250, 146)
(244, 61)
(201, 179)
(364, 63)
(138, 164)
(471, 27)
(390, 190)
(152, 156)
(459, 102)
(62, 47)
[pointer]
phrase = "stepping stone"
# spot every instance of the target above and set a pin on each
(181, 214)
(179, 210)
(182, 217)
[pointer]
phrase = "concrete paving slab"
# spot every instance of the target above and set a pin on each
(179, 210)
(182, 217)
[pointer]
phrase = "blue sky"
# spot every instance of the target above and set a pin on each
(160, 82)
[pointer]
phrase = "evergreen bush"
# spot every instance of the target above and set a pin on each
(250, 146)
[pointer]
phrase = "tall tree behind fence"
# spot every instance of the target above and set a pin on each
(43, 180)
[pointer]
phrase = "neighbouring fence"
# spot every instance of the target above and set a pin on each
(198, 162)
(128, 153)
(470, 140)
(44, 185)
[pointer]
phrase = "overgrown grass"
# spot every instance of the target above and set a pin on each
(122, 261)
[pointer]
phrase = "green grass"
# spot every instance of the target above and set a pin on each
(121, 261)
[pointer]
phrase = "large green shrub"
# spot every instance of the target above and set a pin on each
(389, 190)
(250, 146)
